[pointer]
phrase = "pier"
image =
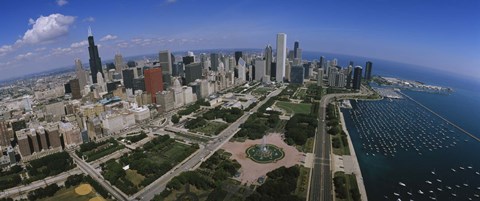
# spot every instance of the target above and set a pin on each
(446, 120)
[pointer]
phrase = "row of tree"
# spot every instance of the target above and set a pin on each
(299, 128)
(40, 193)
(136, 138)
(280, 185)
(50, 165)
(229, 115)
(211, 174)
(257, 124)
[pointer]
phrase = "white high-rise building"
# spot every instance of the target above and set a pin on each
(281, 56)
(241, 70)
(119, 65)
(259, 69)
(80, 72)
(101, 82)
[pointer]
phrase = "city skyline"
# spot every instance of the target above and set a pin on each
(54, 33)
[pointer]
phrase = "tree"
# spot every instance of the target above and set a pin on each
(175, 119)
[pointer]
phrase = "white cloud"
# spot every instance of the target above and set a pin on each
(123, 45)
(82, 43)
(47, 28)
(5, 49)
(109, 37)
(89, 19)
(24, 56)
(62, 2)
(31, 21)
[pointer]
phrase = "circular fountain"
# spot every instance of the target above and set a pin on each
(265, 153)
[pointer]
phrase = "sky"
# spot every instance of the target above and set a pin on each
(39, 35)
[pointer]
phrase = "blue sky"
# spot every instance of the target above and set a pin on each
(47, 34)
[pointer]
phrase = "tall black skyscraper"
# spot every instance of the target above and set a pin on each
(214, 61)
(295, 49)
(95, 61)
(268, 60)
(238, 55)
(188, 60)
(128, 76)
(357, 77)
(368, 70)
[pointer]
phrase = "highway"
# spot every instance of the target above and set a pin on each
(320, 187)
(88, 169)
(23, 189)
(203, 154)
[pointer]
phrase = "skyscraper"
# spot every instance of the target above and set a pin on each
(165, 60)
(153, 81)
(75, 88)
(259, 69)
(297, 75)
(193, 71)
(95, 61)
(241, 70)
(128, 77)
(295, 49)
(139, 83)
(368, 70)
(4, 134)
(119, 65)
(357, 77)
(281, 56)
(188, 60)
(268, 59)
(214, 61)
(80, 72)
(238, 55)
(349, 76)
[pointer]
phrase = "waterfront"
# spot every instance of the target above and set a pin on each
(398, 142)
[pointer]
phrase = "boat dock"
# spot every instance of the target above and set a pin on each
(454, 125)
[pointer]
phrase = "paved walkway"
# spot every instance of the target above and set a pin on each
(350, 163)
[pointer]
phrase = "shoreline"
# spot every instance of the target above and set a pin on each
(356, 165)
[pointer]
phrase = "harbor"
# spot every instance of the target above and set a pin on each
(408, 152)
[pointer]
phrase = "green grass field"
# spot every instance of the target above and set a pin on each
(211, 128)
(308, 147)
(70, 195)
(343, 149)
(134, 177)
(302, 182)
(261, 91)
(302, 108)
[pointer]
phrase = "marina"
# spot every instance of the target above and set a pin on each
(403, 147)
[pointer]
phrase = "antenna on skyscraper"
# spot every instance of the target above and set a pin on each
(90, 31)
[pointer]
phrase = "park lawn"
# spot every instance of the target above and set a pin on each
(343, 149)
(211, 128)
(261, 91)
(176, 151)
(308, 147)
(134, 177)
(302, 108)
(302, 182)
(70, 195)
(176, 193)
(350, 185)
